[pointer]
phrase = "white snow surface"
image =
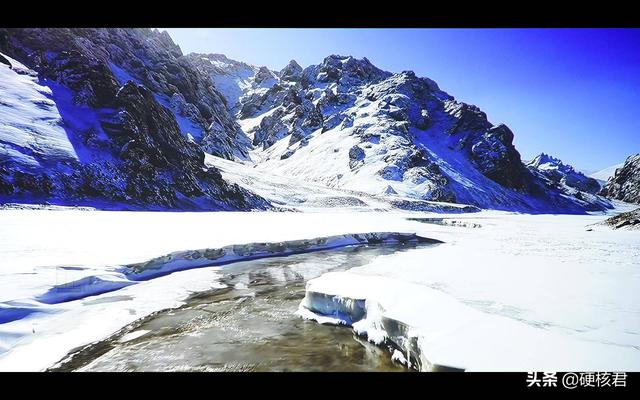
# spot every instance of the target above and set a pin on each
(296, 192)
(604, 174)
(43, 249)
(30, 124)
(519, 292)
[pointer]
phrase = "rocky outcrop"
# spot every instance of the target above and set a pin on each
(627, 220)
(497, 158)
(625, 184)
(292, 72)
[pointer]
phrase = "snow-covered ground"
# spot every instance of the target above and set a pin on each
(298, 193)
(570, 295)
(520, 293)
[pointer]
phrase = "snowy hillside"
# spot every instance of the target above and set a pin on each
(289, 193)
(85, 126)
(346, 124)
(120, 118)
(604, 174)
(569, 181)
(31, 131)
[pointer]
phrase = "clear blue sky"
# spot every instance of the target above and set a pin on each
(572, 93)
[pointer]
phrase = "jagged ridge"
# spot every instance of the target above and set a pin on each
(346, 123)
(139, 114)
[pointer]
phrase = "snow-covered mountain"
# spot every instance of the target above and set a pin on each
(569, 181)
(115, 118)
(564, 174)
(625, 183)
(604, 174)
(347, 124)
(121, 117)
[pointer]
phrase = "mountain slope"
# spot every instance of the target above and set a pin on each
(603, 175)
(560, 173)
(291, 193)
(78, 133)
(625, 184)
(121, 118)
(30, 120)
(569, 181)
(346, 124)
(147, 57)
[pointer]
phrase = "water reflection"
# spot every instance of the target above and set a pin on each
(248, 326)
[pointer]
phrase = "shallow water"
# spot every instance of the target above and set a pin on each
(248, 326)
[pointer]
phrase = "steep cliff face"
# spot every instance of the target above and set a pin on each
(347, 124)
(118, 142)
(625, 183)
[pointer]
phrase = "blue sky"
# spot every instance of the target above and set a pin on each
(572, 93)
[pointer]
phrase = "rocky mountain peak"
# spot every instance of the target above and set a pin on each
(220, 63)
(543, 158)
(562, 174)
(166, 41)
(291, 71)
(547, 162)
(263, 75)
(348, 69)
(393, 124)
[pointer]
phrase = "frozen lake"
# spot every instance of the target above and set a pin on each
(568, 288)
(250, 325)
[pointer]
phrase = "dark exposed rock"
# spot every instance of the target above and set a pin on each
(263, 74)
(467, 117)
(151, 130)
(296, 116)
(497, 158)
(271, 130)
(627, 220)
(292, 72)
(91, 81)
(356, 156)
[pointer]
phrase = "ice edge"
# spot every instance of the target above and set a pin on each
(131, 274)
(381, 330)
